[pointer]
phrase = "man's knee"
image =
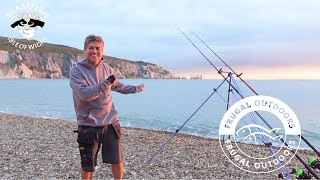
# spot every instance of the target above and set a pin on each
(117, 165)
(87, 163)
(86, 175)
(117, 170)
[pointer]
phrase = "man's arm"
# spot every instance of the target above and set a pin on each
(82, 89)
(126, 89)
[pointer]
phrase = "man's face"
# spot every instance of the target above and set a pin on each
(94, 52)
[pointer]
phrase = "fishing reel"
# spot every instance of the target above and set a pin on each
(300, 174)
(314, 163)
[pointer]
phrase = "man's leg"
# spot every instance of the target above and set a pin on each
(86, 175)
(117, 170)
(89, 148)
(112, 150)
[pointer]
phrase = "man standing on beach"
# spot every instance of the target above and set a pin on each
(92, 82)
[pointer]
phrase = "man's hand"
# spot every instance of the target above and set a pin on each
(113, 79)
(108, 82)
(140, 88)
(116, 79)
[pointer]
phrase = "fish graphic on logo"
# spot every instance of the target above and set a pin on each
(248, 135)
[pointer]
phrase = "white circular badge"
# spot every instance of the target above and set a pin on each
(238, 147)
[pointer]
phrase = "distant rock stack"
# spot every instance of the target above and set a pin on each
(196, 77)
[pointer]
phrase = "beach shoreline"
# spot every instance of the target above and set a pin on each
(46, 148)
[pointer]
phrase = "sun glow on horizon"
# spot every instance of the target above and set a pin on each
(267, 73)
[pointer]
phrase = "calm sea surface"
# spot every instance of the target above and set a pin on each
(166, 104)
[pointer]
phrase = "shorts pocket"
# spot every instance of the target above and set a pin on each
(86, 139)
(116, 127)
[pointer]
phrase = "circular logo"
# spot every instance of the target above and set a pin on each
(27, 19)
(242, 126)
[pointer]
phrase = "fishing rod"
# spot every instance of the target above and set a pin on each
(239, 76)
(175, 133)
(300, 174)
(268, 144)
(220, 72)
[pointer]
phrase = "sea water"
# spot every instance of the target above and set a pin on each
(167, 104)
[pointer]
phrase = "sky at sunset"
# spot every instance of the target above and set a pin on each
(261, 39)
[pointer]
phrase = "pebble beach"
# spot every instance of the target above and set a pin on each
(40, 148)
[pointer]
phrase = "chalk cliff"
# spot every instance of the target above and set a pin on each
(55, 61)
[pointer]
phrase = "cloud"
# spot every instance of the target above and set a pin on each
(262, 33)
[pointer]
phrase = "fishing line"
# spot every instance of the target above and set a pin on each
(238, 75)
(300, 136)
(220, 72)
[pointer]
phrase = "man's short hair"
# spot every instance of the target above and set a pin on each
(92, 38)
